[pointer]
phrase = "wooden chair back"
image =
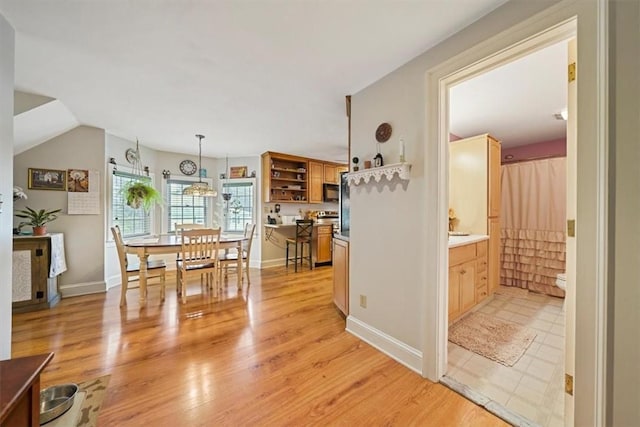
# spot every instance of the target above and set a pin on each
(199, 247)
(180, 227)
(304, 230)
(122, 255)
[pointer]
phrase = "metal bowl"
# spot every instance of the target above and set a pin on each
(56, 400)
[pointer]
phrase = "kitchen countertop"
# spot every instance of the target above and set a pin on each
(315, 224)
(455, 241)
(341, 237)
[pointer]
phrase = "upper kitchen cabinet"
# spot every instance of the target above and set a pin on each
(332, 173)
(284, 178)
(316, 175)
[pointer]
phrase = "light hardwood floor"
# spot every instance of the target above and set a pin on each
(276, 354)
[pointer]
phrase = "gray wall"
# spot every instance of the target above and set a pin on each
(80, 148)
(6, 175)
(393, 224)
(624, 302)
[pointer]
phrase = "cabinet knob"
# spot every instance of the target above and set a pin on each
(463, 272)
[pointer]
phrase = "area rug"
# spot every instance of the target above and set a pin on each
(496, 339)
(84, 412)
(512, 291)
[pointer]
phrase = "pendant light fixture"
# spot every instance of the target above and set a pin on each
(200, 189)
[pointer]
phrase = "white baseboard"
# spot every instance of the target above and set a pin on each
(76, 289)
(279, 262)
(397, 350)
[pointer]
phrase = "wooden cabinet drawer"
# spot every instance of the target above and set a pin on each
(482, 264)
(481, 248)
(481, 293)
(482, 279)
(462, 254)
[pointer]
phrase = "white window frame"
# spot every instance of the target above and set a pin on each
(212, 202)
(254, 210)
(110, 223)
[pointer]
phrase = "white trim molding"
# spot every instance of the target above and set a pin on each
(86, 288)
(397, 350)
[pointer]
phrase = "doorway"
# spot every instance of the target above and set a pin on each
(557, 34)
(506, 340)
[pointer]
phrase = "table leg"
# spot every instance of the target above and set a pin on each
(239, 265)
(143, 256)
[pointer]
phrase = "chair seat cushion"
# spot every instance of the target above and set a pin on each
(151, 265)
(298, 240)
(196, 266)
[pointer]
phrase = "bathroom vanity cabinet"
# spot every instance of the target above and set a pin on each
(467, 277)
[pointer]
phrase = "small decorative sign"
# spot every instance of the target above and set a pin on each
(238, 172)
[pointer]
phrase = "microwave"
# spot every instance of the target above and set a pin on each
(330, 192)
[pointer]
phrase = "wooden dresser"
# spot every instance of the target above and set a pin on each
(20, 390)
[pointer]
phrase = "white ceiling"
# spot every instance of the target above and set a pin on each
(515, 103)
(250, 75)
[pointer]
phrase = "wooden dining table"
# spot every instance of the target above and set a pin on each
(170, 244)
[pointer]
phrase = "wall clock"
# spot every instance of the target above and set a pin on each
(131, 155)
(383, 133)
(188, 167)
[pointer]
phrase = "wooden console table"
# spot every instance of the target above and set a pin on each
(37, 262)
(20, 390)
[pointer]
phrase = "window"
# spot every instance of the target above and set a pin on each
(184, 209)
(132, 222)
(239, 209)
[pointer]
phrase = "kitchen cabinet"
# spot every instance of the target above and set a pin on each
(331, 174)
(474, 194)
(467, 278)
(284, 178)
(341, 275)
(316, 173)
(288, 178)
(323, 247)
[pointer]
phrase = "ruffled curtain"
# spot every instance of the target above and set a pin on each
(532, 225)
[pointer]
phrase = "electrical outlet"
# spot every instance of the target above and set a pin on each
(363, 301)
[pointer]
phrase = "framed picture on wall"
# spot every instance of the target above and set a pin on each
(47, 179)
(238, 172)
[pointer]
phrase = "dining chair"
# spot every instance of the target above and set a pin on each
(198, 256)
(130, 272)
(304, 237)
(230, 258)
(179, 228)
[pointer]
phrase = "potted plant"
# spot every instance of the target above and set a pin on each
(37, 219)
(140, 194)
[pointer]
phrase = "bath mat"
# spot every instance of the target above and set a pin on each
(512, 291)
(496, 339)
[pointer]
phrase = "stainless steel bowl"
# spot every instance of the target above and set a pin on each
(56, 400)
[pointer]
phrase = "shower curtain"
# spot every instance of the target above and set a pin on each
(533, 221)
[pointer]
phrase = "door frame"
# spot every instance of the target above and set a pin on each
(555, 24)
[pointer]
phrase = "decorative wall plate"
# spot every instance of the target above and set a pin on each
(188, 167)
(383, 133)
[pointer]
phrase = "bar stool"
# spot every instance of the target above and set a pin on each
(304, 236)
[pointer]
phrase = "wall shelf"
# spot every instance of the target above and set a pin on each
(402, 169)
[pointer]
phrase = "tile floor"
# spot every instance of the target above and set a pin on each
(533, 387)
